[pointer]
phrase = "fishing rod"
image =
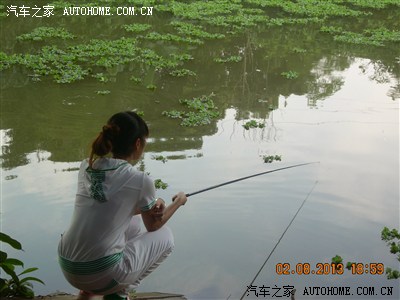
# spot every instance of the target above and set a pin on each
(276, 245)
(247, 177)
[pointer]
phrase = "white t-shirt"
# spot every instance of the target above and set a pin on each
(107, 198)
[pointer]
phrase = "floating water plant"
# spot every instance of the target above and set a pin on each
(151, 87)
(41, 33)
(270, 158)
(201, 111)
(232, 58)
(160, 158)
(253, 124)
(299, 50)
(182, 73)
(159, 184)
(135, 79)
(172, 38)
(137, 27)
(101, 77)
(104, 92)
(290, 74)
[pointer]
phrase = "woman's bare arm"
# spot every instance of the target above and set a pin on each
(156, 217)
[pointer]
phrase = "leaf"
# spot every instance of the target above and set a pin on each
(337, 259)
(31, 279)
(9, 240)
(9, 269)
(28, 271)
(14, 261)
(3, 256)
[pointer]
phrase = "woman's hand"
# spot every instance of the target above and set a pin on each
(156, 217)
(180, 198)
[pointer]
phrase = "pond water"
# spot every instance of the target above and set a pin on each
(341, 110)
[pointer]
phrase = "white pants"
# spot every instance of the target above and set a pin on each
(143, 253)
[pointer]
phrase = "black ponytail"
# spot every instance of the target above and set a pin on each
(119, 136)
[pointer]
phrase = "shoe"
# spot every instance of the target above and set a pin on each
(115, 296)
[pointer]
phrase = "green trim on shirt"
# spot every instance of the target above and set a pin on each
(90, 267)
(97, 177)
(148, 206)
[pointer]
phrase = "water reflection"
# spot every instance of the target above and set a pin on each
(342, 110)
(46, 116)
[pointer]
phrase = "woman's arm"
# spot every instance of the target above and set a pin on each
(156, 217)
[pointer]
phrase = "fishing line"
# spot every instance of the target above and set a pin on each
(265, 262)
(247, 177)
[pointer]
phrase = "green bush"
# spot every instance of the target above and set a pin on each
(15, 286)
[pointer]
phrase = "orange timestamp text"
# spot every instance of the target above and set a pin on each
(329, 268)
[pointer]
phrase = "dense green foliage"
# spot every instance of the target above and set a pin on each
(192, 23)
(392, 238)
(15, 286)
(201, 111)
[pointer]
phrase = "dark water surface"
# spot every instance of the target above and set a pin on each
(342, 110)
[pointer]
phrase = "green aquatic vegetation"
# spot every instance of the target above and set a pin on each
(337, 260)
(159, 184)
(270, 158)
(103, 92)
(137, 27)
(198, 118)
(373, 37)
(373, 3)
(135, 79)
(7, 60)
(107, 53)
(292, 21)
(298, 50)
(376, 37)
(232, 58)
(392, 239)
(41, 33)
(182, 73)
(202, 111)
(219, 13)
(173, 114)
(181, 57)
(290, 74)
(253, 124)
(198, 10)
(101, 77)
(155, 36)
(313, 8)
(68, 65)
(202, 103)
(331, 29)
(151, 87)
(160, 158)
(53, 61)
